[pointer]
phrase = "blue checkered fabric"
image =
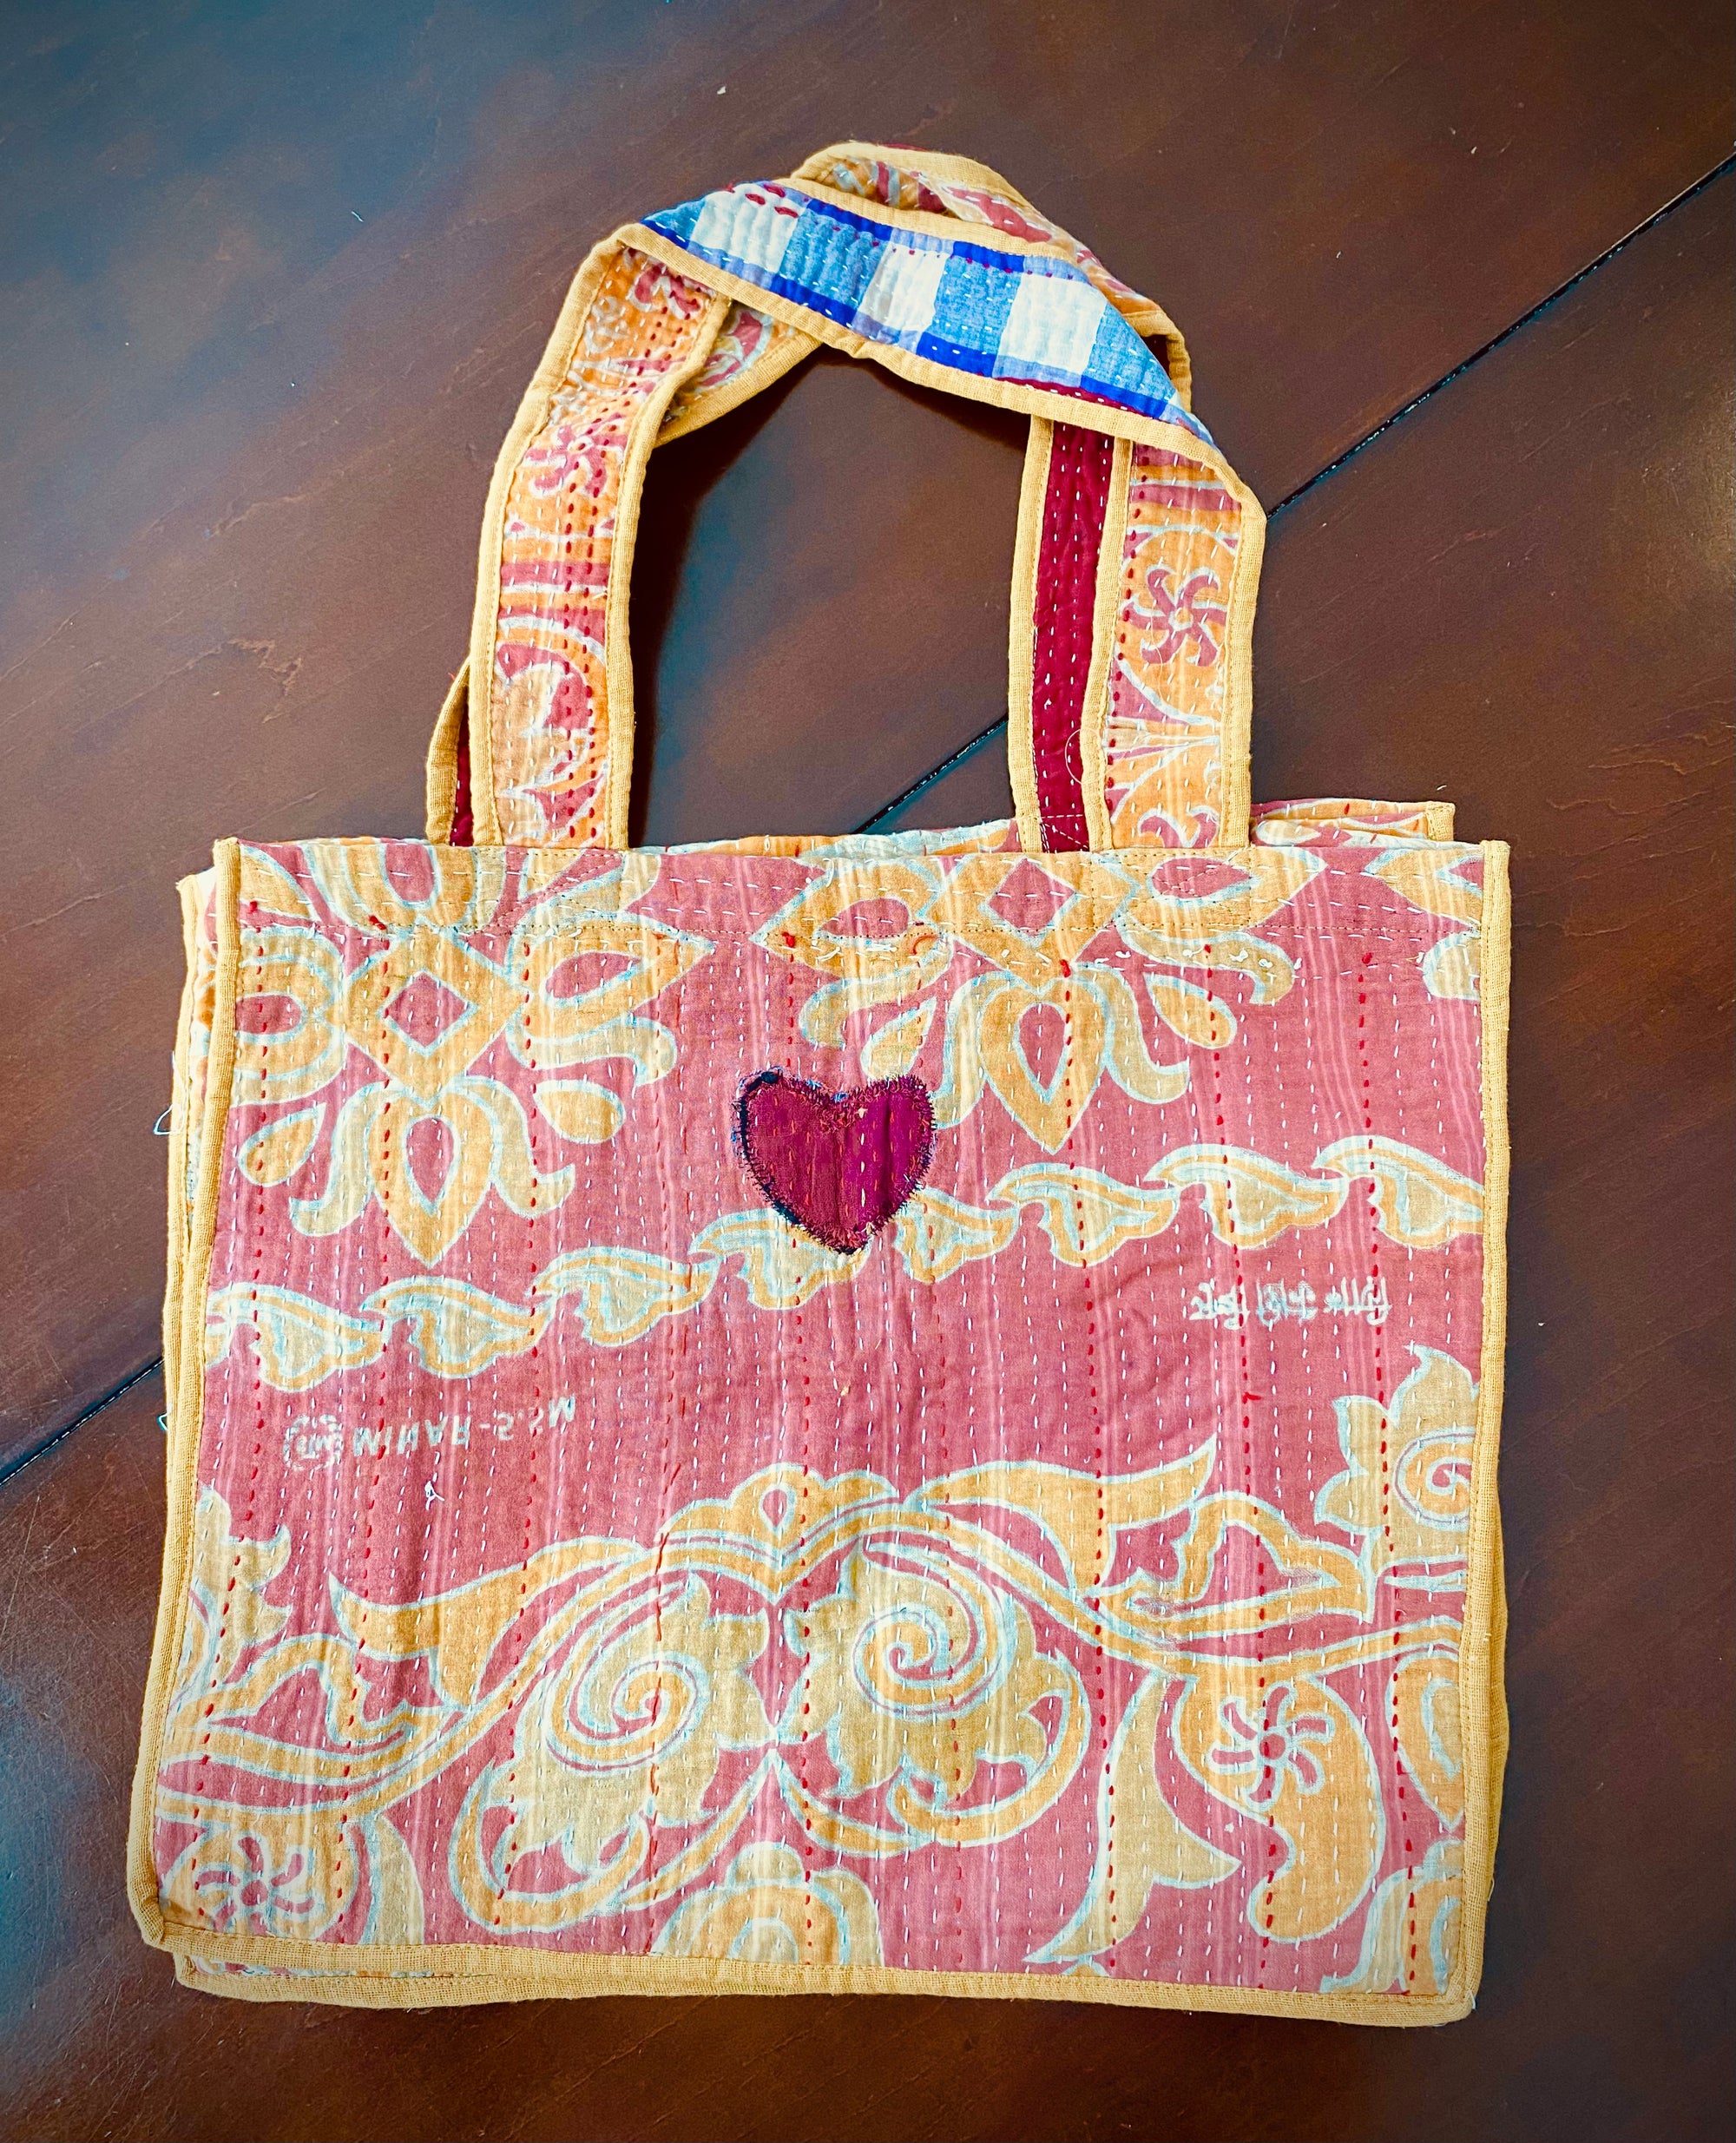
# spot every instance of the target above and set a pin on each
(1024, 317)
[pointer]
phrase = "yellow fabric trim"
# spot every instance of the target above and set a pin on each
(1022, 635)
(374, 1977)
(1106, 610)
(926, 221)
(442, 757)
(1483, 1700)
(949, 170)
(1433, 821)
(188, 892)
(617, 708)
(1498, 1735)
(184, 1310)
(784, 356)
(1236, 734)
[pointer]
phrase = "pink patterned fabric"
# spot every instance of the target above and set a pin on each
(1069, 1580)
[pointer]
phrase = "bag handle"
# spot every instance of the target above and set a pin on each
(1138, 549)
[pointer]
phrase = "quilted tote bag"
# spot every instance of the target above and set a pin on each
(913, 1412)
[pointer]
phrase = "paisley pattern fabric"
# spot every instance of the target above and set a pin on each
(910, 1412)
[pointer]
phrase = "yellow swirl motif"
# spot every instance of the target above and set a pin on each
(895, 1674)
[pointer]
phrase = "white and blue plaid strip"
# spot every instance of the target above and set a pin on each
(956, 300)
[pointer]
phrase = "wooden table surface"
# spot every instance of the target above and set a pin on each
(1456, 281)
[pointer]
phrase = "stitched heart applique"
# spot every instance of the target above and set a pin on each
(839, 1165)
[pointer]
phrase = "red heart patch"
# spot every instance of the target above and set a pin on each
(839, 1165)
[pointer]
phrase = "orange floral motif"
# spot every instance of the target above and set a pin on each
(1264, 1749)
(1182, 619)
(423, 1010)
(1170, 693)
(969, 913)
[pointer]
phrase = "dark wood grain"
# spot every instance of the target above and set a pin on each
(823, 602)
(1524, 597)
(1520, 597)
(276, 278)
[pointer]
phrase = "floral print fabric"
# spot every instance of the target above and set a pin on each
(1070, 1584)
